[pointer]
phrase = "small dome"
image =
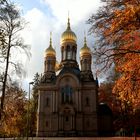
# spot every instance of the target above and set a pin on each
(68, 35)
(50, 50)
(85, 50)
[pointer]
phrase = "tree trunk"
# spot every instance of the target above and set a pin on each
(5, 79)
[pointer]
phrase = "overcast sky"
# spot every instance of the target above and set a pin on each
(45, 16)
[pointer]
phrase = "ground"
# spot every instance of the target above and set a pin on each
(74, 138)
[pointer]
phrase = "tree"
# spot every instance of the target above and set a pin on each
(36, 81)
(117, 29)
(3, 1)
(115, 20)
(15, 112)
(11, 24)
(105, 93)
(122, 114)
(34, 104)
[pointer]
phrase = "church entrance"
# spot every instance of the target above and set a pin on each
(67, 120)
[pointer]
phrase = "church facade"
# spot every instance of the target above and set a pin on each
(67, 104)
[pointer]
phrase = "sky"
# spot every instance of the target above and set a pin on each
(45, 16)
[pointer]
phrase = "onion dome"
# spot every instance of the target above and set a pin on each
(68, 35)
(50, 50)
(85, 50)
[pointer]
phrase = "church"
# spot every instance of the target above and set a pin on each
(68, 93)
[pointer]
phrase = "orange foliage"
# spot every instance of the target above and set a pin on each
(14, 120)
(128, 85)
(124, 19)
(117, 25)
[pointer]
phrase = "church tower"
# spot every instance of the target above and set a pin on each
(67, 102)
(68, 47)
(49, 62)
(85, 61)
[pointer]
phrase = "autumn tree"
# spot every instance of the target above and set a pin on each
(15, 109)
(105, 93)
(117, 29)
(11, 46)
(122, 116)
(105, 89)
(106, 96)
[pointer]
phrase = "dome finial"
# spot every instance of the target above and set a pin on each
(50, 39)
(85, 39)
(68, 24)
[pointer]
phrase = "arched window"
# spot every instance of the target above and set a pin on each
(45, 66)
(49, 65)
(62, 52)
(73, 53)
(87, 101)
(47, 102)
(85, 65)
(68, 52)
(66, 94)
(47, 123)
(62, 95)
(87, 123)
(66, 118)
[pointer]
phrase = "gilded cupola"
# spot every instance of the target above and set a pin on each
(50, 50)
(68, 35)
(85, 50)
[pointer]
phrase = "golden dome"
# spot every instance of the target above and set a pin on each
(50, 50)
(68, 35)
(85, 50)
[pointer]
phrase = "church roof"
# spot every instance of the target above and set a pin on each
(75, 71)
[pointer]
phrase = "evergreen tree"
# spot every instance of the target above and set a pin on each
(34, 105)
